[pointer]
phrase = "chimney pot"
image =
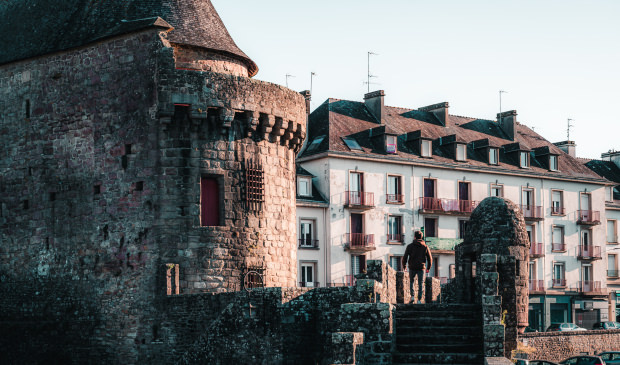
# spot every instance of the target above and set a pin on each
(568, 147)
(374, 101)
(508, 123)
(440, 110)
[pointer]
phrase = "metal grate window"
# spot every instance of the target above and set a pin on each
(254, 186)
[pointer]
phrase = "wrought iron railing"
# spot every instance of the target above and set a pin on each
(359, 240)
(308, 243)
(559, 283)
(532, 211)
(589, 252)
(394, 198)
(537, 285)
(447, 205)
(359, 198)
(558, 247)
(588, 216)
(309, 284)
(396, 237)
(537, 249)
(590, 286)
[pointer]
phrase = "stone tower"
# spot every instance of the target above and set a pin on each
(135, 145)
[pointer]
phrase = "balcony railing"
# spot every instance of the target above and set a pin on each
(559, 283)
(347, 280)
(359, 199)
(558, 247)
(537, 250)
(588, 217)
(537, 286)
(309, 284)
(359, 241)
(308, 243)
(396, 238)
(448, 206)
(558, 211)
(589, 252)
(612, 273)
(395, 198)
(532, 212)
(591, 287)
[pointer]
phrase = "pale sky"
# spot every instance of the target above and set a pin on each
(556, 59)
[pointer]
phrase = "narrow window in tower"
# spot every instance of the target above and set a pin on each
(27, 108)
(209, 202)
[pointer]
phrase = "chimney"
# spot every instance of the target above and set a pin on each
(440, 110)
(568, 147)
(508, 123)
(374, 103)
(613, 156)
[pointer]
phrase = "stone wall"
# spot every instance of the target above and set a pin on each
(557, 346)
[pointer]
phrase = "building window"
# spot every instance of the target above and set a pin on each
(612, 231)
(394, 189)
(527, 199)
(390, 144)
(461, 152)
(558, 275)
(394, 234)
(307, 277)
(497, 190)
(609, 193)
(612, 265)
(532, 271)
(524, 159)
(426, 148)
(209, 201)
(352, 144)
(304, 186)
(558, 239)
(254, 186)
(396, 262)
(557, 202)
(531, 235)
(358, 264)
(586, 238)
(493, 156)
(430, 227)
(553, 162)
(306, 234)
(462, 228)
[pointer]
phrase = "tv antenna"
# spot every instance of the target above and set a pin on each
(500, 104)
(568, 125)
(287, 76)
(370, 53)
(312, 74)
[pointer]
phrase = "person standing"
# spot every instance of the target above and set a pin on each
(417, 254)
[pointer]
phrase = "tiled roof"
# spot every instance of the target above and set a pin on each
(335, 119)
(608, 170)
(32, 28)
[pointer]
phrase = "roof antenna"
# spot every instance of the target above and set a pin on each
(369, 75)
(568, 125)
(287, 76)
(500, 105)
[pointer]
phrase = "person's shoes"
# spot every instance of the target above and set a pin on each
(419, 302)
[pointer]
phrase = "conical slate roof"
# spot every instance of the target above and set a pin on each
(32, 28)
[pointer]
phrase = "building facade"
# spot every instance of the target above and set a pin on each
(389, 171)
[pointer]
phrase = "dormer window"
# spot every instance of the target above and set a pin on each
(524, 159)
(493, 156)
(461, 152)
(426, 148)
(390, 144)
(304, 186)
(553, 162)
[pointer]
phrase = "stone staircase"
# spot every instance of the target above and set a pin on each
(438, 334)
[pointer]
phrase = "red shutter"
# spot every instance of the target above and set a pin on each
(209, 202)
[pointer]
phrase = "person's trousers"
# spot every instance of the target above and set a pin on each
(419, 274)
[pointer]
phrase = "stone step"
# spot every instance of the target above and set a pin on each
(444, 348)
(428, 337)
(434, 358)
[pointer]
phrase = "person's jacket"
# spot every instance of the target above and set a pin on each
(416, 255)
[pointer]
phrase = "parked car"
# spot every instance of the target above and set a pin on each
(610, 357)
(542, 362)
(564, 327)
(583, 360)
(605, 325)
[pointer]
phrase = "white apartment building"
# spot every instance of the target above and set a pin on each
(384, 172)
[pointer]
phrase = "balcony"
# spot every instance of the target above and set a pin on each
(347, 280)
(359, 242)
(308, 243)
(537, 287)
(588, 217)
(532, 212)
(395, 199)
(537, 250)
(309, 284)
(558, 247)
(612, 273)
(589, 253)
(396, 239)
(558, 211)
(559, 283)
(590, 288)
(447, 206)
(359, 200)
